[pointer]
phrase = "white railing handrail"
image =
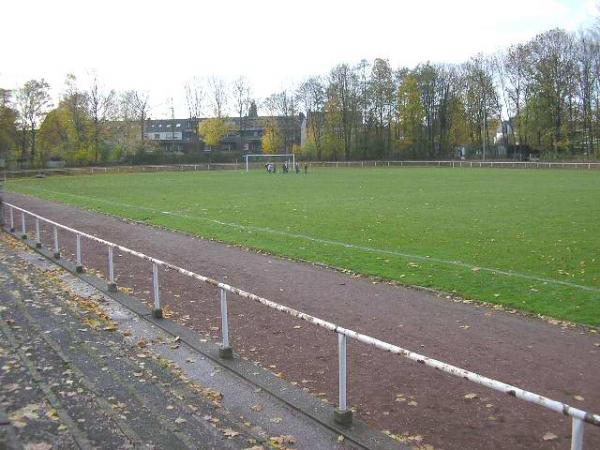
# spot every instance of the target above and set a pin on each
(362, 163)
(554, 405)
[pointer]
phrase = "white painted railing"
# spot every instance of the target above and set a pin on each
(462, 164)
(312, 164)
(343, 414)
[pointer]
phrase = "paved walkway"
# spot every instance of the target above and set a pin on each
(79, 370)
(553, 359)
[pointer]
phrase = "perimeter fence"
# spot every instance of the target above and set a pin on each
(310, 164)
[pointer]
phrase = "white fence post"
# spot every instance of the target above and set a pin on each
(23, 226)
(56, 247)
(38, 236)
(157, 312)
(79, 265)
(225, 352)
(112, 286)
(342, 414)
(577, 434)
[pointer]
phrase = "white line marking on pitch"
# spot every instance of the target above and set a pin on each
(338, 243)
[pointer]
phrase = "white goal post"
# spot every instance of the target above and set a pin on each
(280, 157)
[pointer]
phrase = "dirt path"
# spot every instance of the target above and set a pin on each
(388, 392)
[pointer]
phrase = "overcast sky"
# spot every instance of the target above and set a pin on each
(156, 46)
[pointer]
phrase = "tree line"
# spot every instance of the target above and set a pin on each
(547, 90)
(540, 97)
(87, 126)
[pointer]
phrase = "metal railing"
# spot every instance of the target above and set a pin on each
(312, 164)
(343, 414)
(462, 164)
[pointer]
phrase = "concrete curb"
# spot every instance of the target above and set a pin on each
(358, 432)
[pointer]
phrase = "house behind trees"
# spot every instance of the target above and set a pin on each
(182, 135)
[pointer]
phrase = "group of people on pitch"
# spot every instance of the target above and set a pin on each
(285, 167)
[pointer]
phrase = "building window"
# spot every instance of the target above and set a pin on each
(168, 125)
(157, 136)
(178, 125)
(160, 125)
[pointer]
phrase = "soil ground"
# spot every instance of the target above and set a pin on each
(547, 357)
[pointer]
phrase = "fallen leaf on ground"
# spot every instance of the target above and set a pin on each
(276, 420)
(180, 420)
(578, 397)
(284, 439)
(549, 436)
(228, 432)
(38, 446)
(471, 396)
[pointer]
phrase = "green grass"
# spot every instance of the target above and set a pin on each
(440, 228)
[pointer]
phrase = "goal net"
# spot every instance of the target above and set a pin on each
(258, 161)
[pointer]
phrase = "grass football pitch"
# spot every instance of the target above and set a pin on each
(525, 239)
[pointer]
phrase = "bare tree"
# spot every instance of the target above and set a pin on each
(342, 92)
(218, 96)
(76, 102)
(194, 98)
(101, 105)
(134, 104)
(241, 92)
(312, 95)
(554, 66)
(481, 98)
(283, 110)
(588, 52)
(33, 101)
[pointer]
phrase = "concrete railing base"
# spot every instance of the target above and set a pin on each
(342, 417)
(225, 353)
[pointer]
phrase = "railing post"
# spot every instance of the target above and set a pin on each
(157, 312)
(38, 236)
(577, 434)
(79, 265)
(56, 247)
(12, 219)
(112, 286)
(342, 415)
(225, 352)
(23, 226)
